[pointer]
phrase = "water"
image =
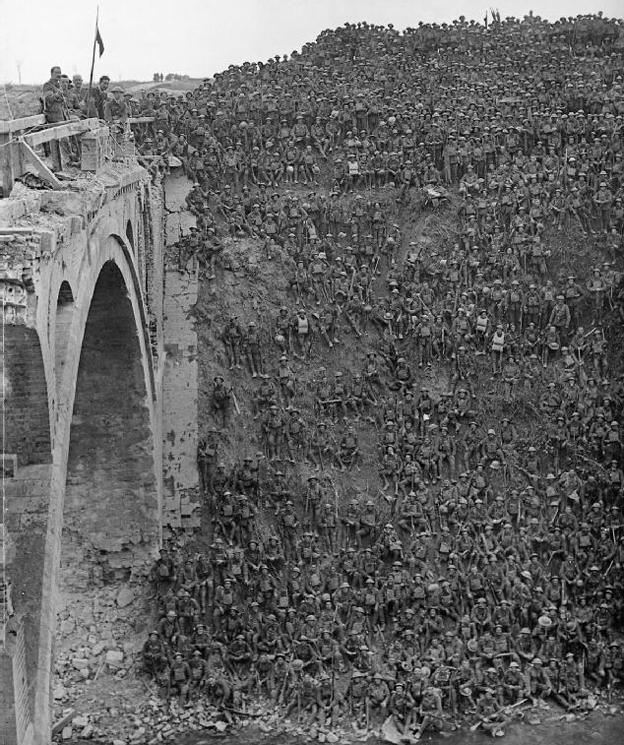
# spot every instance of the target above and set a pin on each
(597, 729)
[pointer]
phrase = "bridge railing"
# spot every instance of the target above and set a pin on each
(85, 139)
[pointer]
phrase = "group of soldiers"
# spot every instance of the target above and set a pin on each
(483, 568)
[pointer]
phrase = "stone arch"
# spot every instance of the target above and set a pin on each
(62, 328)
(105, 500)
(111, 507)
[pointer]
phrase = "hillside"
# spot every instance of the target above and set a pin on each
(476, 534)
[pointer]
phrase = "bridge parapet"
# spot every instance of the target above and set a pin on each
(31, 146)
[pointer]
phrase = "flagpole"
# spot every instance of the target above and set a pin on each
(97, 16)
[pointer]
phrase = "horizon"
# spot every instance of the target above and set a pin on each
(220, 35)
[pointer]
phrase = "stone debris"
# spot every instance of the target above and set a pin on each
(125, 597)
(150, 720)
(114, 658)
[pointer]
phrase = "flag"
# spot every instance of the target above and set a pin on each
(98, 40)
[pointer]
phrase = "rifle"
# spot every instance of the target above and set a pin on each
(489, 717)
(180, 237)
(331, 481)
(283, 687)
(350, 293)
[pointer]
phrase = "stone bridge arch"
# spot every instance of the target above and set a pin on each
(104, 498)
(82, 364)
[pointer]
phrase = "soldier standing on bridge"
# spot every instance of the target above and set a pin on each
(116, 108)
(53, 99)
(99, 96)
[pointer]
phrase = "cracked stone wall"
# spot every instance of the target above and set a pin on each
(180, 372)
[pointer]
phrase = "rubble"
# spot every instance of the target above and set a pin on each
(114, 657)
(125, 597)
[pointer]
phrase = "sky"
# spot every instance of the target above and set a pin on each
(201, 37)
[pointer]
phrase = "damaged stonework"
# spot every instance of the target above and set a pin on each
(181, 499)
(19, 255)
(98, 560)
(82, 283)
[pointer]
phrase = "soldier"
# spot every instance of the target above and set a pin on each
(205, 587)
(303, 334)
(349, 453)
(491, 718)
(224, 519)
(430, 711)
(295, 435)
(247, 479)
(116, 108)
(360, 396)
(497, 348)
(350, 520)
(321, 452)
(560, 319)
(222, 396)
(252, 345)
(207, 453)
(327, 525)
(377, 695)
(53, 98)
(199, 674)
(538, 681)
(289, 529)
(272, 433)
(286, 378)
(337, 404)
(188, 611)
(401, 708)
(598, 352)
(597, 288)
(232, 338)
(180, 678)
(154, 654)
(163, 573)
(368, 523)
(573, 295)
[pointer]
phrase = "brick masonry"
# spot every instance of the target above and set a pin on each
(27, 422)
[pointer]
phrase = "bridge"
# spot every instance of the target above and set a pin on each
(85, 375)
